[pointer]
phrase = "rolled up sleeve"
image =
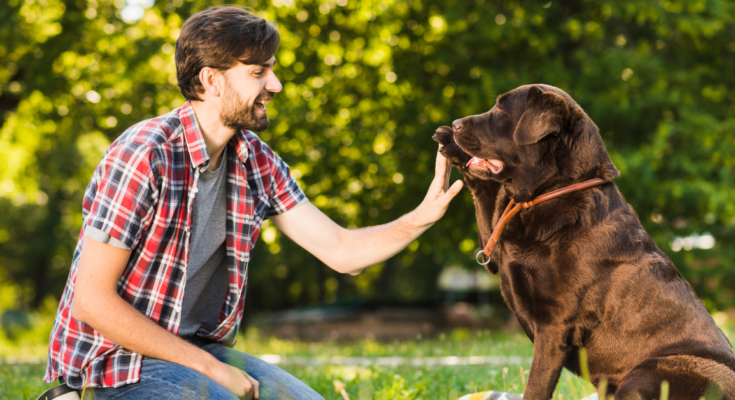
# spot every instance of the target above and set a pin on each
(122, 204)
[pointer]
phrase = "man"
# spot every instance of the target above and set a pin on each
(157, 286)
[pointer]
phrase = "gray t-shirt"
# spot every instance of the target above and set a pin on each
(206, 277)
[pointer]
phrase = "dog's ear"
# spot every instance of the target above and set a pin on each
(546, 113)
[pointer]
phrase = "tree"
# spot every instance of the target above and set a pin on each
(365, 85)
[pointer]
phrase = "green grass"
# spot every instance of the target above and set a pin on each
(23, 381)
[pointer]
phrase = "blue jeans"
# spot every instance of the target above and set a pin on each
(163, 380)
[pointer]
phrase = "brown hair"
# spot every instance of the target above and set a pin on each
(219, 37)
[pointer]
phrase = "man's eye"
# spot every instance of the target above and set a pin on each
(259, 73)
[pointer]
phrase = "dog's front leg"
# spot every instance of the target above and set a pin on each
(549, 353)
(484, 192)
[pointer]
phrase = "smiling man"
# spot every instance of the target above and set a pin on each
(157, 285)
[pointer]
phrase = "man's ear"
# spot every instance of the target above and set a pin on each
(545, 114)
(210, 79)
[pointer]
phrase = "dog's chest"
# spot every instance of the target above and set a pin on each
(532, 284)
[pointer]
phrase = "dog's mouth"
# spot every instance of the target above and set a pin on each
(479, 164)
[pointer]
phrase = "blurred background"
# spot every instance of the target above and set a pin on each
(366, 83)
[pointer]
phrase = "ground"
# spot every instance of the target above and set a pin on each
(370, 369)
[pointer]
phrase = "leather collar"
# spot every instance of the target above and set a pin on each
(512, 210)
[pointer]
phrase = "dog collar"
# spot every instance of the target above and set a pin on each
(512, 210)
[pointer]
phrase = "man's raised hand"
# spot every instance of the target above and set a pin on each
(437, 200)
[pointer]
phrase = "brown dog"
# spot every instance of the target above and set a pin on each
(580, 270)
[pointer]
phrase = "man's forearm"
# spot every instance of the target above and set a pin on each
(364, 247)
(349, 251)
(123, 324)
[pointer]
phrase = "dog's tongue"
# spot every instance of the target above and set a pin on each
(495, 166)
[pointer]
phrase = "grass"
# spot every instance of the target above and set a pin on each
(23, 380)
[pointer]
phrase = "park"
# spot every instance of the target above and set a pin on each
(365, 85)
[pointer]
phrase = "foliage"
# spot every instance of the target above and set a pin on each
(365, 85)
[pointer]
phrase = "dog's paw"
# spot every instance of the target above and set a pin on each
(444, 135)
(449, 148)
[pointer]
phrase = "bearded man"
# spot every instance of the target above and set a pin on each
(157, 285)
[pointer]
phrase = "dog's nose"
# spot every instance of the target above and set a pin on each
(457, 125)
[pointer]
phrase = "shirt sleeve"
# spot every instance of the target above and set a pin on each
(96, 234)
(122, 203)
(285, 192)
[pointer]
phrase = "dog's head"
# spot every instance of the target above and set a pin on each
(535, 136)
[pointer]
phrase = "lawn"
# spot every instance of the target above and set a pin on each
(366, 367)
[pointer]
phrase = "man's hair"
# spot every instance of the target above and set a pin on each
(218, 38)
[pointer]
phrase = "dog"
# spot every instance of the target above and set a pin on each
(579, 271)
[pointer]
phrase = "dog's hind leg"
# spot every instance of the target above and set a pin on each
(688, 377)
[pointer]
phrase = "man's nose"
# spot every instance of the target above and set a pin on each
(273, 84)
(457, 125)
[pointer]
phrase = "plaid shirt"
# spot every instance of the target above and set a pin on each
(142, 194)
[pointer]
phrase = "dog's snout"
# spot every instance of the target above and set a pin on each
(457, 125)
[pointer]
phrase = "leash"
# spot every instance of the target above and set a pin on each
(512, 210)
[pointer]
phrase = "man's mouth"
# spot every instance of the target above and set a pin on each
(479, 164)
(261, 104)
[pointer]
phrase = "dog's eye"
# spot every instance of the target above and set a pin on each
(499, 109)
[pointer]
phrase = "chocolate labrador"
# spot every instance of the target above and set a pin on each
(579, 270)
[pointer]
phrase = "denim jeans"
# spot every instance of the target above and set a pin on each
(163, 380)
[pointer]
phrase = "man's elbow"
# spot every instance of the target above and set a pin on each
(342, 255)
(344, 265)
(83, 307)
(77, 309)
(336, 264)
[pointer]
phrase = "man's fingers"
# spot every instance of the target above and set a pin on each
(441, 164)
(439, 173)
(256, 386)
(453, 190)
(447, 174)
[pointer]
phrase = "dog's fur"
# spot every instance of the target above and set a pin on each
(580, 270)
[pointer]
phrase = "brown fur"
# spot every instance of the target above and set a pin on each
(580, 270)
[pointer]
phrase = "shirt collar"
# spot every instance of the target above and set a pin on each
(195, 144)
(242, 145)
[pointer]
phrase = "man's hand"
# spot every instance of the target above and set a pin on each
(237, 381)
(437, 200)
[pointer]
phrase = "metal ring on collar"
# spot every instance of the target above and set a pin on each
(478, 258)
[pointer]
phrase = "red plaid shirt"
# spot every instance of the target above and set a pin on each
(142, 194)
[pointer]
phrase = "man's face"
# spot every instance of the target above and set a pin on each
(247, 90)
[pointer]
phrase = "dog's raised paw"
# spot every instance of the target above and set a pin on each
(448, 147)
(444, 135)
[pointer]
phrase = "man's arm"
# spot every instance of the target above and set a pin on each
(97, 304)
(349, 251)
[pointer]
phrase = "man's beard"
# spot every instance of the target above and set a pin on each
(239, 116)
